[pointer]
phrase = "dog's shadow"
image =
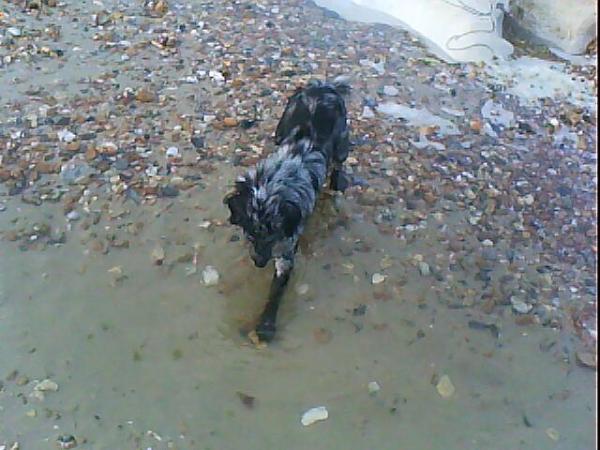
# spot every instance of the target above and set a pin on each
(246, 287)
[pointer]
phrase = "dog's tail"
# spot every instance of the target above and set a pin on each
(341, 84)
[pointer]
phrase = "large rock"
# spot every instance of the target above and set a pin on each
(453, 30)
(569, 25)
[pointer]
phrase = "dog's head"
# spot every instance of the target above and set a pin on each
(267, 219)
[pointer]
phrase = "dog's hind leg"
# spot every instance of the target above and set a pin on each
(265, 330)
(339, 180)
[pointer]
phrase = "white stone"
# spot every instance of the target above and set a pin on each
(520, 306)
(390, 91)
(210, 276)
(46, 385)
(302, 289)
(445, 387)
(367, 113)
(373, 387)
(173, 152)
(66, 136)
(314, 415)
(377, 278)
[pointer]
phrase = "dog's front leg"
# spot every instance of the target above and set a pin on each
(265, 330)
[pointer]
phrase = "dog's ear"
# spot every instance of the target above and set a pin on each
(291, 218)
(237, 202)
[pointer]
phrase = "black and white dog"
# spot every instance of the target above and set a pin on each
(272, 201)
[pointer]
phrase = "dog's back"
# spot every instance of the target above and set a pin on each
(319, 112)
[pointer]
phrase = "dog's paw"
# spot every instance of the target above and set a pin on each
(265, 331)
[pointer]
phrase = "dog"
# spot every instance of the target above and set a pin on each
(272, 201)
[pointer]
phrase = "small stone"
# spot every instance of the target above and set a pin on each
(14, 31)
(487, 243)
(22, 380)
(145, 95)
(390, 91)
(475, 125)
(587, 359)
(46, 386)
(169, 191)
(373, 387)
(528, 199)
(520, 306)
(377, 278)
(37, 395)
(445, 387)
(210, 276)
(247, 400)
(158, 255)
(302, 289)
(424, 268)
(367, 113)
(552, 434)
(73, 216)
(314, 415)
(230, 122)
(66, 136)
(31, 413)
(66, 441)
(172, 152)
(197, 142)
(121, 164)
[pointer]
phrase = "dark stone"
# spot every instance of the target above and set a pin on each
(197, 142)
(360, 310)
(169, 191)
(121, 164)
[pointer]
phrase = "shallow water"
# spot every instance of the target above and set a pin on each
(161, 352)
(158, 360)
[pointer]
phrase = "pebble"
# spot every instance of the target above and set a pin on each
(210, 276)
(377, 278)
(169, 191)
(14, 31)
(121, 164)
(158, 255)
(367, 113)
(22, 380)
(230, 122)
(390, 91)
(314, 415)
(66, 441)
(197, 142)
(587, 359)
(73, 216)
(373, 387)
(31, 413)
(66, 136)
(520, 306)
(552, 434)
(445, 387)
(302, 289)
(46, 385)
(172, 152)
(424, 268)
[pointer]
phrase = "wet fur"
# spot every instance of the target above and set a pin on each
(273, 201)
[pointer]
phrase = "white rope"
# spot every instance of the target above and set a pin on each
(475, 12)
